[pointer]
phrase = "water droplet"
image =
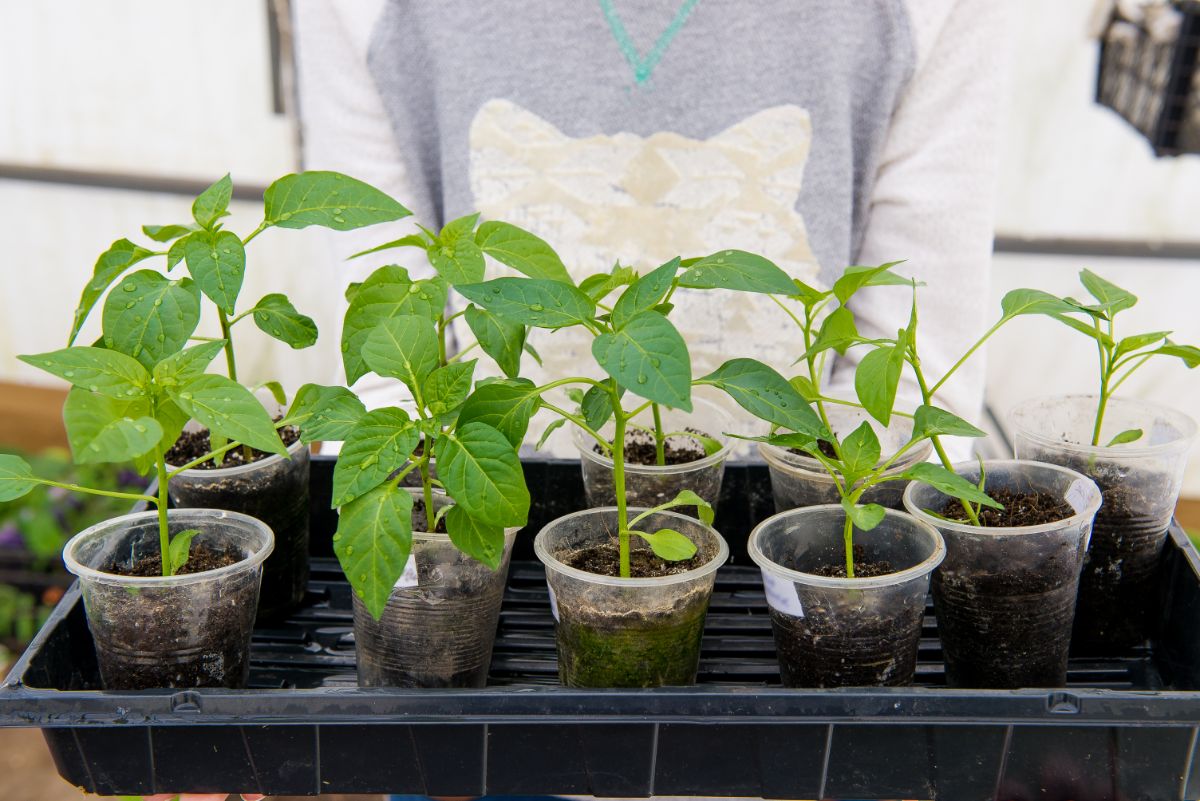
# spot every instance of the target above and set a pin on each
(276, 332)
(338, 211)
(68, 373)
(213, 255)
(362, 576)
(495, 290)
(131, 391)
(337, 537)
(161, 338)
(131, 287)
(729, 253)
(287, 215)
(339, 219)
(94, 388)
(413, 289)
(137, 318)
(349, 550)
(783, 404)
(130, 304)
(137, 349)
(185, 395)
(157, 302)
(138, 427)
(641, 379)
(345, 347)
(537, 307)
(720, 261)
(227, 250)
(654, 362)
(95, 446)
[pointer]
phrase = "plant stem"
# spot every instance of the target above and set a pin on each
(1100, 409)
(619, 486)
(848, 540)
(579, 421)
(262, 226)
(461, 353)
(660, 456)
(230, 361)
(164, 539)
(927, 399)
(970, 352)
(427, 486)
(128, 496)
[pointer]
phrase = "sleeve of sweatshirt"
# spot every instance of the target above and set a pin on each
(344, 127)
(933, 201)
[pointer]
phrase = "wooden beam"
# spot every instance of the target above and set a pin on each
(31, 416)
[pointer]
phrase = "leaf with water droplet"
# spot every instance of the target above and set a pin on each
(373, 541)
(629, 353)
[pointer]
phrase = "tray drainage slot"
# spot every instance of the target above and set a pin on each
(1063, 704)
(187, 701)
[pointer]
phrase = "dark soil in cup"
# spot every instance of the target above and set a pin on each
(275, 492)
(605, 560)
(200, 559)
(863, 650)
(861, 570)
(1020, 509)
(419, 520)
(191, 445)
(677, 449)
(823, 445)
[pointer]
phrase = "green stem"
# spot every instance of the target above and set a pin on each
(579, 421)
(848, 541)
(927, 399)
(970, 352)
(262, 226)
(619, 486)
(660, 456)
(1100, 409)
(127, 496)
(164, 539)
(427, 486)
(230, 360)
(462, 353)
(562, 382)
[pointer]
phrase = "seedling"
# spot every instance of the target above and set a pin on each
(133, 391)
(1118, 358)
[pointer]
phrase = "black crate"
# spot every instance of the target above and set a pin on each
(1154, 85)
(1123, 727)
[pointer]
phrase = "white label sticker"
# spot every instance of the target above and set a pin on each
(782, 595)
(1077, 494)
(409, 577)
(553, 602)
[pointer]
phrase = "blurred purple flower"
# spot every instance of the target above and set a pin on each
(10, 536)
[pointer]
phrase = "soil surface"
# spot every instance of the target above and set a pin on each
(823, 445)
(201, 558)
(605, 560)
(861, 569)
(420, 522)
(1020, 509)
(677, 449)
(192, 445)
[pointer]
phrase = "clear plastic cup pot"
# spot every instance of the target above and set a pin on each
(1140, 481)
(1005, 597)
(845, 632)
(439, 625)
(798, 480)
(648, 486)
(627, 632)
(190, 630)
(274, 490)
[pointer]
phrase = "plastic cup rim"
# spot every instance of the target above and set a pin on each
(779, 458)
(293, 451)
(1128, 451)
(584, 444)
(433, 536)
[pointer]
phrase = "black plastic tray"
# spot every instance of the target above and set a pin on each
(1124, 728)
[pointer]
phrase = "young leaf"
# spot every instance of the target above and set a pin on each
(229, 409)
(1138, 341)
(669, 544)
(688, 498)
(276, 390)
(767, 395)
(865, 517)
(876, 380)
(856, 277)
(447, 387)
(165, 233)
(800, 442)
(930, 421)
(644, 294)
(597, 405)
(103, 429)
(1033, 301)
(325, 413)
(178, 550)
(404, 347)
(738, 270)
(387, 293)
(949, 483)
(1189, 354)
(410, 241)
(378, 446)
(105, 371)
(328, 199)
(372, 543)
(181, 367)
(148, 316)
(554, 425)
(1087, 328)
(455, 255)
(860, 452)
(650, 358)
(217, 261)
(480, 470)
(506, 406)
(522, 251)
(497, 338)
(529, 301)
(481, 541)
(1130, 435)
(599, 285)
(1112, 298)
(277, 317)
(709, 444)
(16, 477)
(119, 257)
(837, 331)
(804, 386)
(213, 202)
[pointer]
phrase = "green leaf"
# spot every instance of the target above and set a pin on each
(709, 444)
(189, 363)
(1130, 435)
(497, 338)
(277, 317)
(599, 285)
(480, 470)
(105, 371)
(217, 261)
(1033, 301)
(372, 543)
(447, 387)
(378, 446)
(177, 551)
(455, 255)
(480, 541)
(930, 421)
(276, 390)
(387, 293)
(16, 477)
(229, 409)
(529, 301)
(325, 413)
(522, 251)
(738, 270)
(807, 294)
(669, 544)
(689, 498)
(1189, 354)
(1138, 341)
(805, 387)
(767, 395)
(649, 357)
(800, 442)
(597, 405)
(104, 429)
(120, 256)
(837, 331)
(644, 294)
(404, 347)
(148, 316)
(410, 241)
(165, 233)
(876, 380)
(860, 452)
(213, 203)
(506, 406)
(865, 517)
(856, 277)
(949, 483)
(328, 199)
(1111, 297)
(555, 424)
(1086, 328)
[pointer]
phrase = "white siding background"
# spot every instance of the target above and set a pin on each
(183, 90)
